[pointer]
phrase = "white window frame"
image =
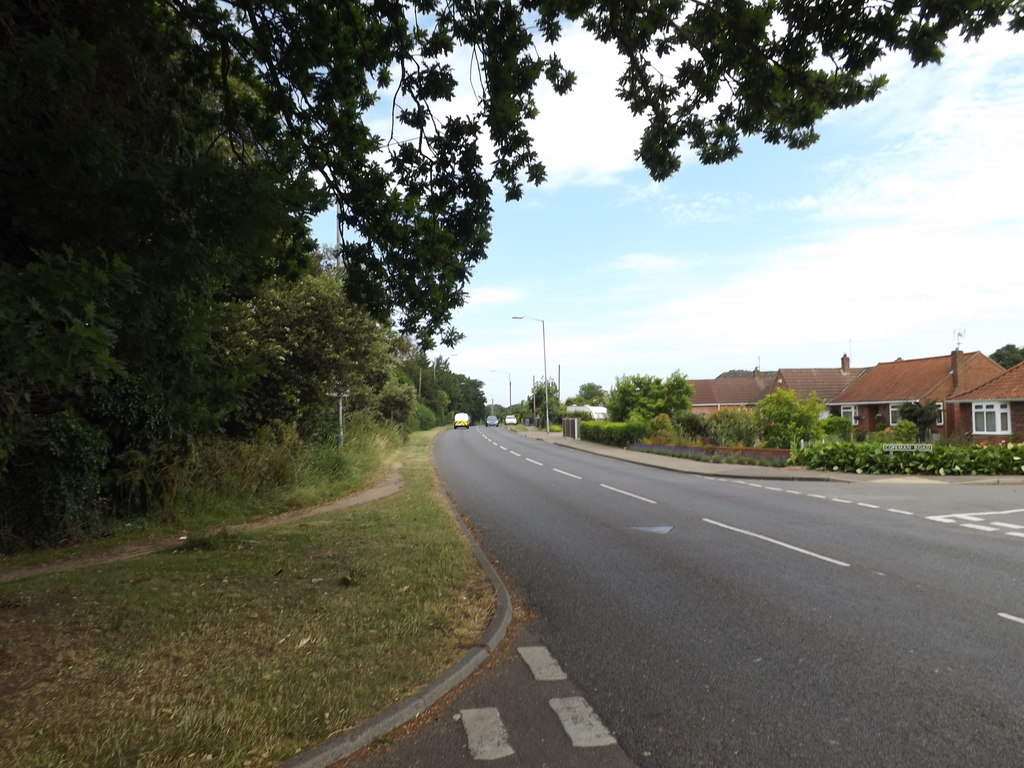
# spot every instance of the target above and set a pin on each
(998, 424)
(940, 414)
(850, 412)
(894, 414)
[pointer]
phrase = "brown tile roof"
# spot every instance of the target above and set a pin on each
(926, 379)
(826, 383)
(1005, 386)
(729, 391)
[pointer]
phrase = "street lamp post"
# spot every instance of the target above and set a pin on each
(341, 416)
(544, 342)
(493, 370)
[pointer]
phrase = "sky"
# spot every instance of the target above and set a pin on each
(900, 234)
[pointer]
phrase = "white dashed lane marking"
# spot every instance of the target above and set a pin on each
(627, 493)
(567, 474)
(977, 521)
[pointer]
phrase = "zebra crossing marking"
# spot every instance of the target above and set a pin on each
(486, 734)
(541, 663)
(584, 727)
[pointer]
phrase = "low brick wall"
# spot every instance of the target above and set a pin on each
(775, 455)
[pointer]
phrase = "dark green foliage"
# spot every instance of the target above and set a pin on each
(921, 416)
(692, 426)
(53, 489)
(613, 432)
(1008, 355)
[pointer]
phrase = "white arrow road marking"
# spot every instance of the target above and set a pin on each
(778, 543)
(486, 734)
(541, 663)
(581, 722)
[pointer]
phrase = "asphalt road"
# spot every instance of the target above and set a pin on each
(733, 622)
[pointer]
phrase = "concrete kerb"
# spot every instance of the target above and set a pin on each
(345, 744)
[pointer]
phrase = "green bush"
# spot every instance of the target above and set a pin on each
(837, 428)
(732, 426)
(618, 433)
(52, 491)
(691, 425)
(870, 458)
(422, 418)
(661, 430)
(900, 432)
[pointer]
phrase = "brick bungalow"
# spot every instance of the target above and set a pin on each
(746, 390)
(824, 383)
(730, 391)
(995, 410)
(874, 399)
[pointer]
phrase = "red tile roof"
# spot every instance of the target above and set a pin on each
(730, 391)
(1005, 386)
(826, 383)
(926, 379)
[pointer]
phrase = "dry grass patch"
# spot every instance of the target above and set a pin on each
(239, 650)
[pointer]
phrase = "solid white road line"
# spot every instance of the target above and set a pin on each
(778, 543)
(486, 734)
(541, 663)
(581, 722)
(627, 493)
(1011, 617)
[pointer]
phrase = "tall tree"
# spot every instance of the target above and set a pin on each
(639, 398)
(589, 394)
(1008, 355)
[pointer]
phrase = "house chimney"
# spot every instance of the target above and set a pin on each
(844, 363)
(956, 359)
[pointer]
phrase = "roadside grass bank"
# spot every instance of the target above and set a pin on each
(240, 649)
(232, 482)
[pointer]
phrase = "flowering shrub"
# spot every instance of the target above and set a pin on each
(869, 458)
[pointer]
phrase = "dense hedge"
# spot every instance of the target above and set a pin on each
(620, 433)
(869, 458)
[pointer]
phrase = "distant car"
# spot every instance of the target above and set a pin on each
(461, 420)
(492, 421)
(510, 419)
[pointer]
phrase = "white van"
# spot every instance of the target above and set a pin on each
(461, 420)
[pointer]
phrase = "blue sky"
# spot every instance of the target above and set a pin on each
(899, 233)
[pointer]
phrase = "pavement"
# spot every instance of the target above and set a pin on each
(753, 472)
(348, 743)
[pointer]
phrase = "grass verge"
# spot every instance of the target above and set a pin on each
(239, 649)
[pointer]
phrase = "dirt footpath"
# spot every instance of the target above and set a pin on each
(390, 484)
